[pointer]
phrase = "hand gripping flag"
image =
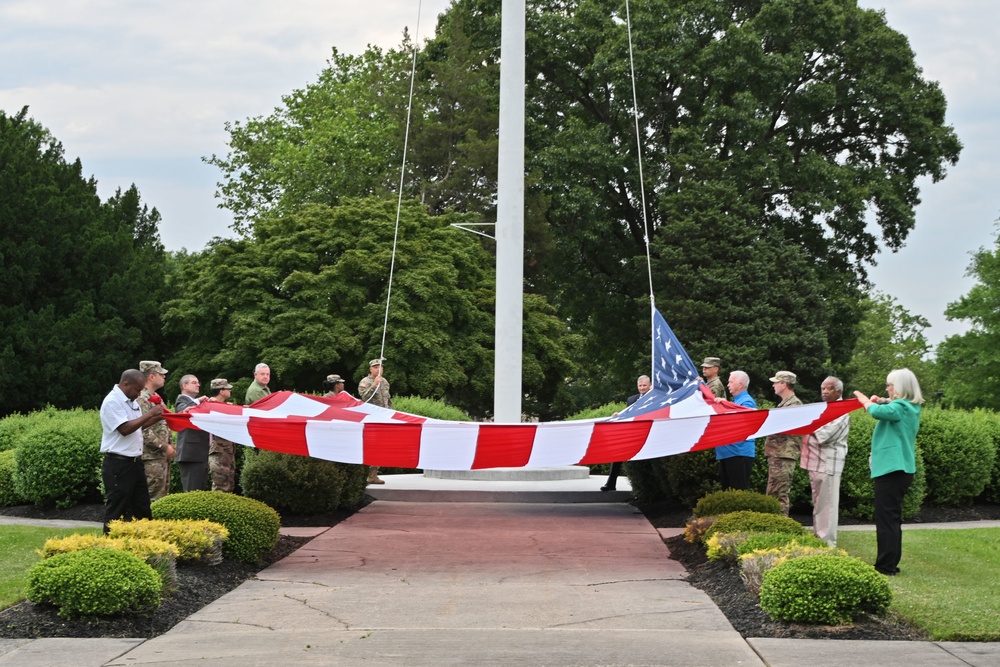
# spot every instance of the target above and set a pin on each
(677, 415)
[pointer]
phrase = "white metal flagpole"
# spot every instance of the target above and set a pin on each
(507, 392)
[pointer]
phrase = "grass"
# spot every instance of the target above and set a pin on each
(948, 585)
(17, 555)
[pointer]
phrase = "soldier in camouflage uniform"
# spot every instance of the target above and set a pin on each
(156, 448)
(710, 369)
(374, 389)
(221, 452)
(783, 451)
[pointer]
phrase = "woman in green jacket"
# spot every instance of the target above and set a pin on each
(893, 460)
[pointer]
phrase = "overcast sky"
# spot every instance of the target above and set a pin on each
(141, 91)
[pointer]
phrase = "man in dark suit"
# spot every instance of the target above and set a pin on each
(192, 445)
(643, 384)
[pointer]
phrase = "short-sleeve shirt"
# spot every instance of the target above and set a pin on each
(115, 411)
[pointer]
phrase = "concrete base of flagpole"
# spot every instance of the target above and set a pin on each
(513, 474)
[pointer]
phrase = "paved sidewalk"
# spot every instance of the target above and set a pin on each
(406, 583)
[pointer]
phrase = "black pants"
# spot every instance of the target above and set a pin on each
(616, 469)
(125, 485)
(734, 472)
(889, 491)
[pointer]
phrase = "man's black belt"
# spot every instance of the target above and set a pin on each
(123, 457)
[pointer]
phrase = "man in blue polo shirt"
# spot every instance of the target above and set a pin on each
(736, 460)
(122, 471)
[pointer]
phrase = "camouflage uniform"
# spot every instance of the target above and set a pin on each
(718, 389)
(222, 463)
(381, 397)
(783, 453)
(155, 440)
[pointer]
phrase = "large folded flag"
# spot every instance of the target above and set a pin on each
(678, 415)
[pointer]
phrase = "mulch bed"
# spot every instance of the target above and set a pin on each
(723, 584)
(197, 585)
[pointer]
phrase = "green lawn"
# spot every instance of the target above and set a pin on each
(17, 555)
(950, 580)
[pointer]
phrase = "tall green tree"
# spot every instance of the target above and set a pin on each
(306, 293)
(969, 363)
(80, 281)
(889, 337)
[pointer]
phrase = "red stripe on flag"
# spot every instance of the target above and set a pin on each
(279, 435)
(396, 445)
(503, 446)
(616, 441)
(730, 428)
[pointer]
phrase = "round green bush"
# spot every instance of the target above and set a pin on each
(8, 492)
(95, 582)
(253, 526)
(857, 491)
(649, 480)
(760, 541)
(754, 522)
(718, 503)
(59, 460)
(824, 589)
(958, 451)
(429, 407)
(300, 484)
(691, 475)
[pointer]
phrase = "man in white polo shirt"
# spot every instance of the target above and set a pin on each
(122, 471)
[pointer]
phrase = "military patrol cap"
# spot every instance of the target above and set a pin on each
(221, 383)
(377, 361)
(711, 361)
(787, 377)
(334, 379)
(151, 367)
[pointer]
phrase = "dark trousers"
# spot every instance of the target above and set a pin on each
(194, 475)
(889, 491)
(125, 485)
(734, 472)
(616, 469)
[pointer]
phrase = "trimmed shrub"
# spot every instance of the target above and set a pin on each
(991, 493)
(958, 452)
(159, 555)
(733, 500)
(694, 531)
(754, 564)
(755, 522)
(95, 582)
(58, 461)
(602, 412)
(691, 475)
(857, 491)
(252, 525)
(429, 407)
(195, 540)
(301, 484)
(729, 547)
(649, 480)
(8, 490)
(824, 589)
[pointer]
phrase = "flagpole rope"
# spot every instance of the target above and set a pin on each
(399, 200)
(642, 183)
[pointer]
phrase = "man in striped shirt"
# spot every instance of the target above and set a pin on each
(823, 454)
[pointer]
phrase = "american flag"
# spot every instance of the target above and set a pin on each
(678, 415)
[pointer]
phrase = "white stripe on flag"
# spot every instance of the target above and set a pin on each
(230, 427)
(336, 441)
(448, 446)
(560, 443)
(780, 420)
(672, 436)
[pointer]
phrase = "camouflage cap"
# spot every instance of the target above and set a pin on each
(377, 361)
(334, 379)
(787, 377)
(711, 362)
(151, 367)
(221, 383)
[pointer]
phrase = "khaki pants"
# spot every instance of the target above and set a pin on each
(826, 505)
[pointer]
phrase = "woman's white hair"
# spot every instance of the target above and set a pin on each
(904, 385)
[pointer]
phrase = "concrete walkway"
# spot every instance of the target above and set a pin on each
(416, 583)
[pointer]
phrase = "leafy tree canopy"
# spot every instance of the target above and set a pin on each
(969, 363)
(80, 281)
(306, 294)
